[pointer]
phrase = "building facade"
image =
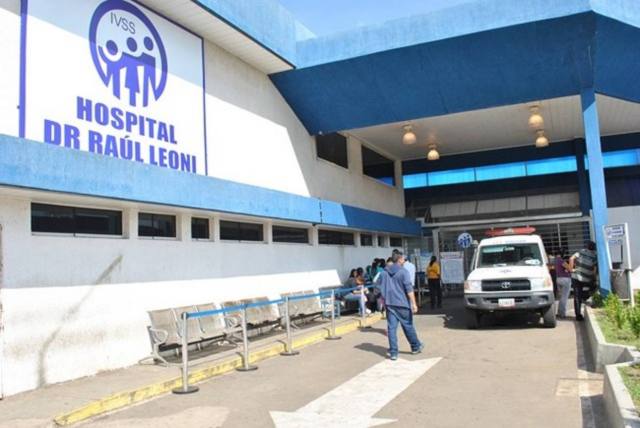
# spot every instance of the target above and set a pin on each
(102, 220)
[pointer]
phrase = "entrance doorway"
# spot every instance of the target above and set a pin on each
(559, 234)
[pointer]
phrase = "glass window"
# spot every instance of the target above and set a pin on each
(98, 222)
(552, 166)
(51, 218)
(295, 235)
(396, 242)
(199, 228)
(333, 148)
(335, 237)
(156, 225)
(509, 255)
(621, 158)
(75, 220)
(366, 240)
(439, 178)
(239, 231)
(412, 181)
(382, 242)
(499, 172)
(377, 166)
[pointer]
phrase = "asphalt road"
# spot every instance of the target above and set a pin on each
(512, 373)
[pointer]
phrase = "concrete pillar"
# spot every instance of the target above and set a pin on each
(399, 176)
(215, 227)
(435, 236)
(268, 232)
(183, 227)
(130, 226)
(596, 182)
(583, 178)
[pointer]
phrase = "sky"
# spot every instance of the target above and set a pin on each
(324, 17)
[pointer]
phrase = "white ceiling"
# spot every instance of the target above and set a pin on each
(200, 21)
(500, 127)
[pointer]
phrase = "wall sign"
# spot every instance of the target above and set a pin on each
(464, 240)
(114, 78)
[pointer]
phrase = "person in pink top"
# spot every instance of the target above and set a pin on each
(563, 279)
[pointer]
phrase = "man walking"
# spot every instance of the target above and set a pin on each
(400, 304)
(583, 265)
(410, 267)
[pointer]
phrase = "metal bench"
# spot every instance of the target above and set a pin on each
(258, 317)
(217, 325)
(165, 331)
(303, 310)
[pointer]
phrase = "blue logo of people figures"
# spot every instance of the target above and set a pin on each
(128, 52)
(465, 240)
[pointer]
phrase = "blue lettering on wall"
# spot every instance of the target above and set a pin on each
(61, 135)
(168, 158)
(116, 118)
(52, 132)
(95, 142)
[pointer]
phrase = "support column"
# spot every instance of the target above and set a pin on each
(596, 182)
(583, 179)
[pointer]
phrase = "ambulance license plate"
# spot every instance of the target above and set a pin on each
(506, 303)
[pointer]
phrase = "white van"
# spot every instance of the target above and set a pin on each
(509, 273)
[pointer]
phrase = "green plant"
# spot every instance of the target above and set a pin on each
(614, 309)
(633, 315)
(597, 301)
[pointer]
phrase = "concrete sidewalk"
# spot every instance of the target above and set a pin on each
(90, 396)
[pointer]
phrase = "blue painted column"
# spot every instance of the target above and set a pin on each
(583, 179)
(596, 182)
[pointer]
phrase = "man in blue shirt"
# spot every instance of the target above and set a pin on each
(400, 303)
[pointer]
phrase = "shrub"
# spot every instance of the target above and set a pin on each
(597, 301)
(633, 315)
(615, 311)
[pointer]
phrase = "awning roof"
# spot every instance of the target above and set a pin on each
(382, 75)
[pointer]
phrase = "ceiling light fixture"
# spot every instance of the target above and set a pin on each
(541, 141)
(433, 154)
(409, 136)
(536, 121)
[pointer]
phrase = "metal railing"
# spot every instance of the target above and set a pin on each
(289, 348)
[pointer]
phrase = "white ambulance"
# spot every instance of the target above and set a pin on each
(509, 273)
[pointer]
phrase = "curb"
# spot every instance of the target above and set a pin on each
(124, 399)
(619, 406)
(603, 352)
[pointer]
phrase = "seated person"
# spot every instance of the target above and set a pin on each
(360, 295)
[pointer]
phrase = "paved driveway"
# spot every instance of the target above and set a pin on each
(513, 373)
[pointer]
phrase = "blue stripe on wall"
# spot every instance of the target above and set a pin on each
(33, 165)
(337, 214)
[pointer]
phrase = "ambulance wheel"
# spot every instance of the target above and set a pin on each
(473, 319)
(549, 317)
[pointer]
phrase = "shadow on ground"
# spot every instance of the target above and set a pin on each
(453, 317)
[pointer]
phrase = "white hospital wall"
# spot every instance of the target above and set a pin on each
(10, 66)
(254, 137)
(74, 306)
